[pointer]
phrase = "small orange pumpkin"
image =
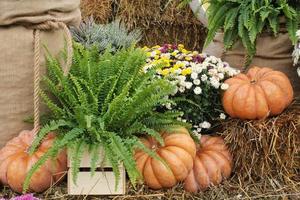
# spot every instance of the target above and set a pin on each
(212, 163)
(178, 152)
(15, 163)
(260, 93)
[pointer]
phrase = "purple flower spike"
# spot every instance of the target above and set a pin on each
(25, 197)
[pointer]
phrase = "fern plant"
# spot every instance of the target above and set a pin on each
(105, 102)
(114, 34)
(245, 19)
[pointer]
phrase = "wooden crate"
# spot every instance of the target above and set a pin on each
(102, 183)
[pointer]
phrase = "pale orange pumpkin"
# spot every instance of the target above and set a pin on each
(15, 162)
(178, 153)
(260, 93)
(212, 164)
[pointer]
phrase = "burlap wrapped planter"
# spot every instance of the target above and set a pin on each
(18, 20)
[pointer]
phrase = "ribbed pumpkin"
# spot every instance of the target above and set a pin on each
(260, 93)
(178, 152)
(213, 163)
(15, 162)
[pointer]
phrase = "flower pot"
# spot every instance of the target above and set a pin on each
(103, 181)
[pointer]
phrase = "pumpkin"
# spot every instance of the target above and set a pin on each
(178, 153)
(212, 164)
(260, 93)
(15, 162)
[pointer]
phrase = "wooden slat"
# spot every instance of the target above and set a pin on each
(102, 183)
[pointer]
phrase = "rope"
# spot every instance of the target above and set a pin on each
(36, 83)
(46, 26)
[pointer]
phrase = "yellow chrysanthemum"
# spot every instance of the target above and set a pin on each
(186, 71)
(174, 53)
(165, 72)
(184, 51)
(156, 57)
(148, 54)
(157, 52)
(172, 70)
(188, 58)
(145, 48)
(156, 47)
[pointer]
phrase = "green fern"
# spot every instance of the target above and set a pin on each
(105, 102)
(244, 20)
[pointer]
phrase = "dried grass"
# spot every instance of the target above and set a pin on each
(101, 10)
(191, 36)
(267, 149)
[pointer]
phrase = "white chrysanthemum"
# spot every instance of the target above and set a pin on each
(221, 76)
(181, 89)
(197, 90)
(205, 125)
(196, 82)
(222, 116)
(205, 65)
(224, 86)
(212, 72)
(298, 34)
(298, 71)
(199, 130)
(181, 78)
(194, 75)
(204, 77)
(188, 85)
(296, 54)
(214, 82)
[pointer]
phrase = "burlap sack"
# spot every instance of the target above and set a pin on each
(17, 54)
(273, 52)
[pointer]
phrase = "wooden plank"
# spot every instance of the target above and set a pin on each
(102, 183)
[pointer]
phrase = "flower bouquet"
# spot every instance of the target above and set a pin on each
(199, 81)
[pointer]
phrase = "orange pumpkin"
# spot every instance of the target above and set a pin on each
(15, 162)
(260, 93)
(212, 163)
(178, 153)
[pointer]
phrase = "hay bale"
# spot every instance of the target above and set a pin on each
(192, 36)
(101, 10)
(131, 11)
(160, 21)
(172, 14)
(267, 149)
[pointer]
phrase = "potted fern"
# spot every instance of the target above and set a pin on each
(104, 104)
(246, 33)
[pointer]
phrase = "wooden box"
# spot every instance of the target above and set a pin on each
(102, 183)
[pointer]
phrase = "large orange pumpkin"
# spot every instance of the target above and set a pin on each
(260, 93)
(212, 163)
(178, 153)
(15, 162)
